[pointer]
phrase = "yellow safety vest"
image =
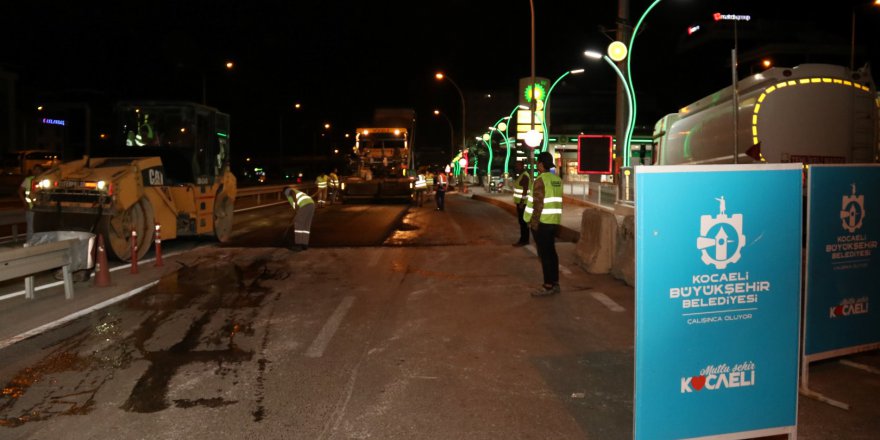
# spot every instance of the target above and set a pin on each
(302, 199)
(26, 185)
(519, 188)
(552, 212)
(421, 183)
(322, 181)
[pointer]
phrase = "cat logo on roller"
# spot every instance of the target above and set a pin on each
(853, 211)
(721, 237)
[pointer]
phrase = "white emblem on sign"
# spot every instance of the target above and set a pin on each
(721, 237)
(852, 211)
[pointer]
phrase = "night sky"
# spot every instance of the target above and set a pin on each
(342, 59)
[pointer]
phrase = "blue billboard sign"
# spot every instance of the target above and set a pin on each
(843, 229)
(718, 266)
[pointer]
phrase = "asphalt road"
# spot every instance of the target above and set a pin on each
(392, 341)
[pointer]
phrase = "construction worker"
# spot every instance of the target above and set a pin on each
(544, 214)
(429, 182)
(322, 182)
(334, 186)
(421, 185)
(303, 211)
(521, 192)
(441, 184)
(24, 194)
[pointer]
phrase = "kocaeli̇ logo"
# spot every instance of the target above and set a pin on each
(849, 307)
(852, 212)
(716, 377)
(721, 237)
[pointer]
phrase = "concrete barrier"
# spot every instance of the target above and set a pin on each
(624, 267)
(607, 244)
(598, 238)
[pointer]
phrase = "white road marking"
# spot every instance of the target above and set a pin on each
(607, 302)
(320, 343)
(46, 327)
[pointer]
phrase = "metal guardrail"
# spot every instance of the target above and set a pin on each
(261, 192)
(12, 218)
(28, 261)
(603, 194)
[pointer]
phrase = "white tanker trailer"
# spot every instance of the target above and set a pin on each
(812, 113)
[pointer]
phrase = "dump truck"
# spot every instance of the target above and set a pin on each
(381, 159)
(167, 170)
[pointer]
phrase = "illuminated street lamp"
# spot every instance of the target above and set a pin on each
(296, 107)
(440, 77)
(229, 65)
(618, 51)
(547, 103)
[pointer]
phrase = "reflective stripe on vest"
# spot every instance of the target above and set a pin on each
(27, 185)
(519, 189)
(552, 212)
(421, 183)
(302, 199)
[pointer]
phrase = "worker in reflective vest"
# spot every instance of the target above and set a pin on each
(420, 186)
(322, 182)
(441, 185)
(303, 211)
(544, 214)
(334, 185)
(520, 195)
(429, 181)
(24, 193)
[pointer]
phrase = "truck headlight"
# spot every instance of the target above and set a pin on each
(45, 184)
(102, 185)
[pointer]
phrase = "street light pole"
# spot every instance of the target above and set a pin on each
(625, 141)
(852, 49)
(547, 104)
(451, 133)
(229, 65)
(507, 134)
(532, 102)
(440, 76)
(632, 90)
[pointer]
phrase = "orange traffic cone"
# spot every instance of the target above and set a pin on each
(102, 276)
(134, 251)
(158, 242)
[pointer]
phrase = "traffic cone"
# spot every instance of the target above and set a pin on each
(134, 252)
(158, 242)
(102, 276)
